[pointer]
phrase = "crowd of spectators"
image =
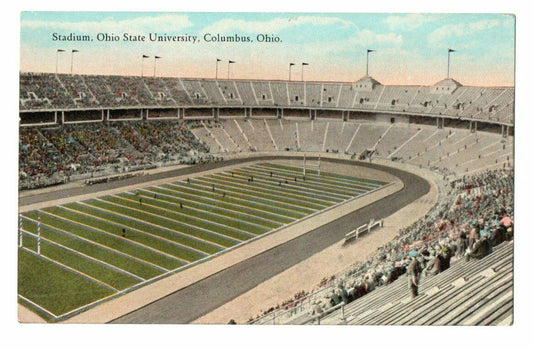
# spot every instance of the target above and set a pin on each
(62, 151)
(58, 91)
(42, 91)
(476, 214)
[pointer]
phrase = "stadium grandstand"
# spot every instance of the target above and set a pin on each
(178, 172)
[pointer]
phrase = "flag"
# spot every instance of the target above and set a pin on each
(231, 62)
(305, 63)
(291, 63)
(450, 50)
(60, 50)
(145, 56)
(75, 51)
(156, 57)
(219, 60)
(367, 51)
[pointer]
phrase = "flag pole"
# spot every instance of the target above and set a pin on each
(290, 70)
(448, 75)
(155, 63)
(303, 64)
(367, 52)
(72, 60)
(57, 57)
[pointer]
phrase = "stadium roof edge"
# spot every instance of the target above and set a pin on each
(260, 80)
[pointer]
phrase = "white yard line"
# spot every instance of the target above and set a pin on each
(104, 247)
(142, 232)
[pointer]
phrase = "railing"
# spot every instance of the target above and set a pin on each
(354, 234)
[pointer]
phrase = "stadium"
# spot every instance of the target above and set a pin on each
(213, 200)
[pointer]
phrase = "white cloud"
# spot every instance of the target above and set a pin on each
(410, 21)
(462, 29)
(173, 22)
(272, 26)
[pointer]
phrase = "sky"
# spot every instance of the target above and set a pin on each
(410, 49)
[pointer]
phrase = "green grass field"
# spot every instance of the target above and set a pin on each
(97, 248)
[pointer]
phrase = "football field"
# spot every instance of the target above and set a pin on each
(78, 254)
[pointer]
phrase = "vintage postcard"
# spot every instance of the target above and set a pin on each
(266, 168)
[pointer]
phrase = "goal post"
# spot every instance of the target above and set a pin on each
(20, 230)
(311, 166)
(38, 232)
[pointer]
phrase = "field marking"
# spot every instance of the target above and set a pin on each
(199, 203)
(238, 197)
(40, 308)
(289, 188)
(160, 227)
(90, 242)
(192, 217)
(143, 232)
(324, 176)
(111, 235)
(208, 213)
(213, 199)
(83, 255)
(64, 266)
(248, 188)
(270, 189)
(273, 183)
(312, 183)
(320, 183)
(246, 192)
(323, 179)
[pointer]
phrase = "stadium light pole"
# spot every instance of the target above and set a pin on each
(303, 64)
(155, 62)
(367, 52)
(142, 64)
(290, 68)
(229, 62)
(216, 68)
(449, 51)
(57, 57)
(72, 59)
